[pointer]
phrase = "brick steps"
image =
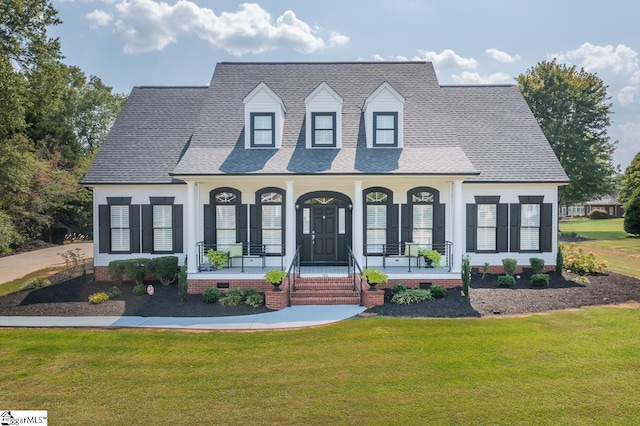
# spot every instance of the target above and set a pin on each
(324, 291)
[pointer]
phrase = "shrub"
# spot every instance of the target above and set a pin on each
(559, 260)
(537, 265)
(466, 274)
(165, 268)
(398, 288)
(139, 290)
(506, 281)
(36, 283)
(116, 271)
(581, 279)
(598, 214)
(374, 276)
(136, 270)
(182, 283)
(540, 280)
(275, 276)
(218, 258)
(211, 295)
(233, 297)
(113, 292)
(438, 292)
(577, 261)
(632, 214)
(97, 298)
(254, 299)
(411, 295)
(510, 266)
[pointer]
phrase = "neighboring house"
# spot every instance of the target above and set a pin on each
(327, 157)
(608, 203)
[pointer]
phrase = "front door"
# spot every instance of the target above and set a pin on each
(324, 233)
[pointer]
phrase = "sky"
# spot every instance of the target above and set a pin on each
(129, 43)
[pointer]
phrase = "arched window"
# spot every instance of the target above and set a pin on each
(270, 223)
(377, 217)
(421, 202)
(225, 202)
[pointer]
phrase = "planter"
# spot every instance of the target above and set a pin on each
(428, 262)
(276, 287)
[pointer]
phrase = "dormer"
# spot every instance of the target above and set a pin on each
(384, 117)
(264, 114)
(323, 118)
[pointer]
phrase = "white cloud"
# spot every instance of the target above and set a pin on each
(98, 18)
(620, 58)
(446, 59)
(626, 95)
(467, 77)
(502, 57)
(147, 25)
(630, 140)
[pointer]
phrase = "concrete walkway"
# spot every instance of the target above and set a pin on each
(18, 265)
(291, 317)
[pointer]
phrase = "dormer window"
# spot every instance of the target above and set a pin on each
(385, 129)
(264, 114)
(383, 118)
(323, 118)
(324, 129)
(263, 132)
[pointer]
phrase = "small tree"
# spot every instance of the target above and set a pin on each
(632, 214)
(466, 274)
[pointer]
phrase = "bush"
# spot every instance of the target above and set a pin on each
(136, 270)
(165, 268)
(577, 261)
(254, 299)
(398, 288)
(466, 274)
(234, 297)
(537, 265)
(598, 214)
(36, 283)
(632, 214)
(139, 290)
(438, 292)
(116, 271)
(218, 258)
(374, 276)
(182, 283)
(211, 295)
(581, 279)
(559, 260)
(540, 280)
(506, 281)
(97, 298)
(510, 266)
(114, 292)
(411, 295)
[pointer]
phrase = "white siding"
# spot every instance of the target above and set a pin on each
(323, 99)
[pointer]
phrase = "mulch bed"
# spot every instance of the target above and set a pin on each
(69, 297)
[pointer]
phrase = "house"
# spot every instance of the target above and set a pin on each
(320, 165)
(608, 204)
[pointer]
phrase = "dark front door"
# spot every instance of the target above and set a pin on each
(324, 233)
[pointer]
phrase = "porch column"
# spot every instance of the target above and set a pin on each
(192, 224)
(458, 226)
(356, 220)
(290, 231)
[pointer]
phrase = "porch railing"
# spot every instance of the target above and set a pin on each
(249, 250)
(410, 251)
(294, 271)
(356, 273)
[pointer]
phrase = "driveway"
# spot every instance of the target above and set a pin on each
(18, 265)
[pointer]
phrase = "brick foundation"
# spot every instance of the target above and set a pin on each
(101, 273)
(198, 286)
(277, 299)
(499, 269)
(372, 298)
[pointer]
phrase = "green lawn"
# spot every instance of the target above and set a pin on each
(608, 240)
(574, 367)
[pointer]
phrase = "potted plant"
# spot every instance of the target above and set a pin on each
(431, 258)
(275, 277)
(374, 277)
(218, 258)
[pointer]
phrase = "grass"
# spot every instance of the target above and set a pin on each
(17, 284)
(607, 239)
(573, 367)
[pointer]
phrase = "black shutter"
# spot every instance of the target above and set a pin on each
(393, 223)
(439, 227)
(255, 220)
(104, 228)
(209, 225)
(546, 222)
(502, 242)
(178, 229)
(241, 224)
(134, 228)
(515, 227)
(147, 228)
(405, 225)
(472, 213)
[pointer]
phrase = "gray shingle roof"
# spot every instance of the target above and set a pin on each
(148, 137)
(487, 133)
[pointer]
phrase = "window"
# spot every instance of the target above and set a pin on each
(422, 213)
(376, 211)
(120, 241)
(323, 129)
(162, 228)
(225, 203)
(385, 129)
(530, 227)
(263, 129)
(271, 206)
(487, 226)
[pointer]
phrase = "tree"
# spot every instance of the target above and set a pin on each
(630, 180)
(573, 111)
(632, 214)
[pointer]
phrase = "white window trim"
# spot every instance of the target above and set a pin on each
(263, 100)
(323, 99)
(394, 102)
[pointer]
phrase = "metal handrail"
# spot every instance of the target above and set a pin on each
(295, 266)
(355, 266)
(399, 249)
(249, 249)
